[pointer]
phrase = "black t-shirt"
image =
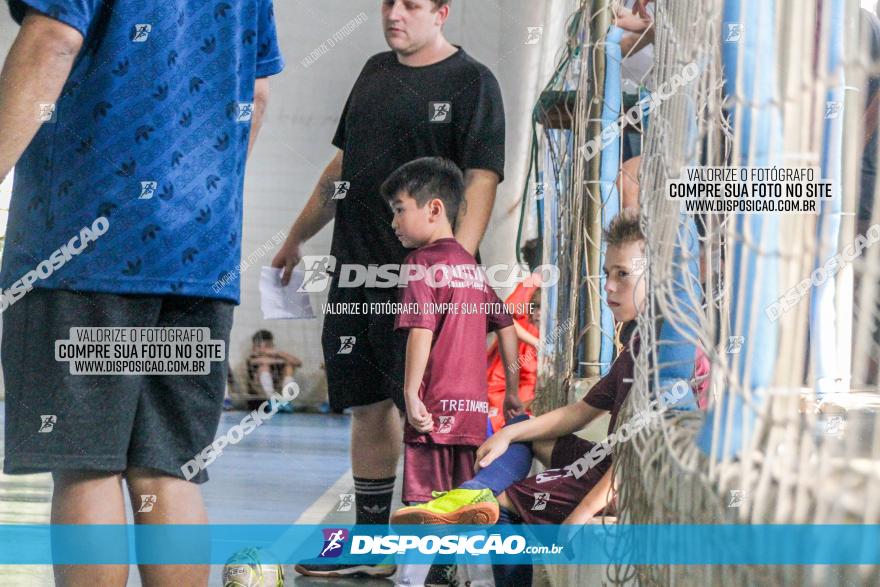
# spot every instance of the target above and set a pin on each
(396, 113)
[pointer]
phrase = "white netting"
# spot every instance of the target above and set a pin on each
(797, 464)
(800, 461)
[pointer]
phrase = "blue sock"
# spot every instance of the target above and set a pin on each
(514, 465)
(507, 575)
(506, 516)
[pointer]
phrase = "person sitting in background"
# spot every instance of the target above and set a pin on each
(269, 369)
(525, 321)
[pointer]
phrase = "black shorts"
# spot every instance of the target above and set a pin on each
(363, 355)
(59, 421)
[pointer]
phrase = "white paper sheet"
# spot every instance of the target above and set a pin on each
(283, 303)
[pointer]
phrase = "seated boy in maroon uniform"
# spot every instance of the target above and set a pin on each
(448, 309)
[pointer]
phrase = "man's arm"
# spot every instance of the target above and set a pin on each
(319, 210)
(593, 502)
(35, 72)
(261, 102)
(480, 186)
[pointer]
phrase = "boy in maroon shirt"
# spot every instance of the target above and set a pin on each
(448, 309)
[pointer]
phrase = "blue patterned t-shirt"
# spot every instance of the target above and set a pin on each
(150, 132)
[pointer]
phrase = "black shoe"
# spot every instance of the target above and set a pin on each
(323, 570)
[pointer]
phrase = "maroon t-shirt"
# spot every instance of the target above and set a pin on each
(610, 392)
(456, 303)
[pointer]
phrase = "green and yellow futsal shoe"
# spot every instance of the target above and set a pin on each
(459, 506)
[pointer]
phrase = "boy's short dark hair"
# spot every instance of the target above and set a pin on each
(438, 4)
(624, 228)
(261, 336)
(425, 179)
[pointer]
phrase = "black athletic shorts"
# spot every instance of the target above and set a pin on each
(363, 355)
(59, 421)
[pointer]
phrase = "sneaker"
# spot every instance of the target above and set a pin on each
(353, 571)
(459, 506)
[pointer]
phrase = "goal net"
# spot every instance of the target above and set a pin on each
(785, 306)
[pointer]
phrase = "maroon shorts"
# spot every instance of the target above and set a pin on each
(549, 497)
(435, 467)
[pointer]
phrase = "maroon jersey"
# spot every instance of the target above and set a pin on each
(550, 496)
(610, 392)
(455, 302)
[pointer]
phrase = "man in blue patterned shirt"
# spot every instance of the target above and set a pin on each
(129, 124)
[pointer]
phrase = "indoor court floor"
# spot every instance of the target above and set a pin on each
(290, 470)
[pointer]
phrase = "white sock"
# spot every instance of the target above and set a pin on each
(411, 575)
(266, 382)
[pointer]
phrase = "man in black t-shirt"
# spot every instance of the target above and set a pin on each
(425, 97)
